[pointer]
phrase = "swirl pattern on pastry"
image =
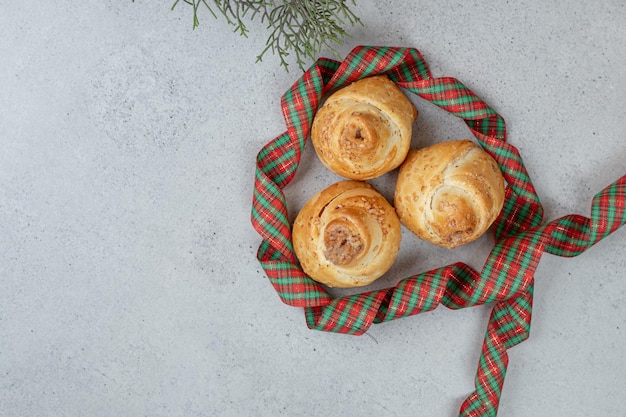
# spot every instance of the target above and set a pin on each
(364, 130)
(347, 235)
(450, 193)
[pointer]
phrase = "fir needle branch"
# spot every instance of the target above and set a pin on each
(301, 27)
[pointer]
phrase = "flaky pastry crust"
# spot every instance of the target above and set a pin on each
(347, 235)
(450, 193)
(364, 130)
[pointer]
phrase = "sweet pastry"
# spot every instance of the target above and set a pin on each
(364, 130)
(450, 193)
(347, 235)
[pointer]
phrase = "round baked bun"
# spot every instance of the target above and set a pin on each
(450, 193)
(364, 130)
(347, 235)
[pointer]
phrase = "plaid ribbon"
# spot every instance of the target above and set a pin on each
(521, 237)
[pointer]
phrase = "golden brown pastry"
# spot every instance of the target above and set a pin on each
(450, 193)
(347, 235)
(364, 130)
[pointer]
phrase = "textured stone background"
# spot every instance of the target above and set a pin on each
(128, 279)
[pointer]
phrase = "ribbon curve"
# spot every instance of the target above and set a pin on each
(521, 237)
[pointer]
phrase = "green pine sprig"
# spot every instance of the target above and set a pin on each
(301, 27)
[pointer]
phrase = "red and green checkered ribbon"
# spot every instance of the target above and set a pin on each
(521, 237)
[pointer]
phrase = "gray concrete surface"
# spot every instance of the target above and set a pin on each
(129, 284)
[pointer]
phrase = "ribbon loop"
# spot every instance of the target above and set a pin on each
(507, 276)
